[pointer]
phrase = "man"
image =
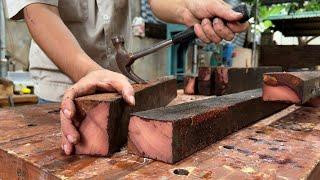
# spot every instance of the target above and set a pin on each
(71, 44)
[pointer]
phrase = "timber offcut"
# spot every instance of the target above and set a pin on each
(105, 117)
(292, 87)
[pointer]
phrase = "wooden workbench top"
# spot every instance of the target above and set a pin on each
(282, 146)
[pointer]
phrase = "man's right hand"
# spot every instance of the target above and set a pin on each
(98, 80)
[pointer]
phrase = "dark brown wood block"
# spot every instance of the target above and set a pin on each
(105, 117)
(205, 81)
(293, 87)
(173, 133)
(290, 56)
(190, 85)
(234, 80)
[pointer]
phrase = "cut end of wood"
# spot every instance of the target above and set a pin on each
(280, 93)
(314, 102)
(190, 85)
(104, 118)
(151, 139)
(93, 132)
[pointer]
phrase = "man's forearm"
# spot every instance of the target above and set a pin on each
(56, 40)
(172, 11)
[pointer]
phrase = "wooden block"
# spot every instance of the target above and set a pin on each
(293, 87)
(18, 100)
(223, 80)
(190, 85)
(173, 133)
(234, 80)
(104, 128)
(6, 87)
(205, 81)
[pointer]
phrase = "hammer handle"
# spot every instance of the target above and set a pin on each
(189, 34)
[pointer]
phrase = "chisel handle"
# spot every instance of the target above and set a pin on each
(189, 34)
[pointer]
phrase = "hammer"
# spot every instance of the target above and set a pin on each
(125, 59)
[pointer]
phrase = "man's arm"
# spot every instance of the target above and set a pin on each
(59, 44)
(198, 13)
(56, 40)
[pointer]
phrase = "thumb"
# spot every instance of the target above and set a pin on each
(125, 88)
(122, 86)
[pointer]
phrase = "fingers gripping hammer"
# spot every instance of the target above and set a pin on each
(125, 59)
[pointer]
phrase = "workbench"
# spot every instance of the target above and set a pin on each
(283, 146)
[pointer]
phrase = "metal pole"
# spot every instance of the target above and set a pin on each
(3, 60)
(254, 51)
(195, 59)
(2, 32)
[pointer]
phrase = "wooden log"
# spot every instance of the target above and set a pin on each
(173, 133)
(293, 87)
(104, 128)
(190, 85)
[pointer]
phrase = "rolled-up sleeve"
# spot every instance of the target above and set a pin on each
(14, 7)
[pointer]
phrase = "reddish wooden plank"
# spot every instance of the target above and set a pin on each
(106, 117)
(234, 80)
(223, 80)
(293, 87)
(173, 133)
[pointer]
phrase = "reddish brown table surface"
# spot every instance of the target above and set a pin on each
(286, 145)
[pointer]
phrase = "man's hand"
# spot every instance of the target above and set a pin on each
(198, 13)
(214, 31)
(102, 80)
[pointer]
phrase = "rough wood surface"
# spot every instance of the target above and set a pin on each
(294, 87)
(170, 134)
(206, 81)
(6, 87)
(234, 80)
(222, 80)
(104, 128)
(289, 148)
(19, 100)
(190, 85)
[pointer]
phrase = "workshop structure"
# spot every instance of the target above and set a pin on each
(243, 108)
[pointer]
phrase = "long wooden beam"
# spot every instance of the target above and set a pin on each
(173, 133)
(105, 117)
(222, 80)
(293, 87)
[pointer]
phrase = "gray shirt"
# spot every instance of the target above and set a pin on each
(92, 22)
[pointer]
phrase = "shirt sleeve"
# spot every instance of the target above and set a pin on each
(14, 7)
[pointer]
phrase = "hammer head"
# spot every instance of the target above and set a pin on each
(124, 60)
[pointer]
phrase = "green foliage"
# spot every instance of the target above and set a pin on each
(266, 11)
(313, 5)
(277, 9)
